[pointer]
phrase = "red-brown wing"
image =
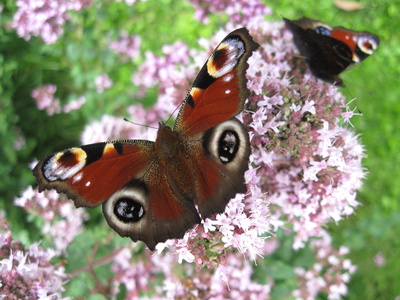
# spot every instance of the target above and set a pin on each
(90, 174)
(147, 209)
(131, 183)
(219, 91)
(219, 157)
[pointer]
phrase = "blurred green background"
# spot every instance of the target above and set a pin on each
(81, 55)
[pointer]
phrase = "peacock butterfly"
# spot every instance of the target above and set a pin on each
(330, 50)
(149, 190)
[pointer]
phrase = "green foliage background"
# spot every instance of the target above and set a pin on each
(81, 54)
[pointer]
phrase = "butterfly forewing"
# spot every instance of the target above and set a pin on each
(92, 173)
(219, 91)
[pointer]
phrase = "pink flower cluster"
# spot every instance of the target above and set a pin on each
(179, 281)
(102, 82)
(112, 128)
(44, 18)
(239, 12)
(230, 280)
(379, 259)
(129, 2)
(137, 276)
(44, 97)
(171, 73)
(128, 46)
(63, 222)
(45, 100)
(309, 164)
(27, 274)
(329, 274)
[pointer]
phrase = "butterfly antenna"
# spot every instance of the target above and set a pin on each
(142, 125)
(170, 116)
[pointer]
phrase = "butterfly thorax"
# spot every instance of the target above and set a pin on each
(167, 143)
(171, 156)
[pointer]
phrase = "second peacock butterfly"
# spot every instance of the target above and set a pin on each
(330, 50)
(149, 190)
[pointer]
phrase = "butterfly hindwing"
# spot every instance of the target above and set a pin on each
(127, 178)
(148, 209)
(224, 159)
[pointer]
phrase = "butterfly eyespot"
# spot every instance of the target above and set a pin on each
(228, 145)
(128, 210)
(367, 44)
(127, 207)
(323, 31)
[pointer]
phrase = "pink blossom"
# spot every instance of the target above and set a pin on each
(309, 164)
(171, 73)
(231, 279)
(136, 276)
(20, 141)
(28, 274)
(330, 274)
(44, 97)
(44, 18)
(127, 45)
(348, 114)
(379, 259)
(129, 2)
(45, 100)
(74, 104)
(102, 82)
(239, 12)
(63, 222)
(113, 128)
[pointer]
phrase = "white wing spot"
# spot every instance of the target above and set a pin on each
(76, 178)
(228, 77)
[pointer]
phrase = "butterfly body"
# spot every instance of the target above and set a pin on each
(330, 50)
(154, 191)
